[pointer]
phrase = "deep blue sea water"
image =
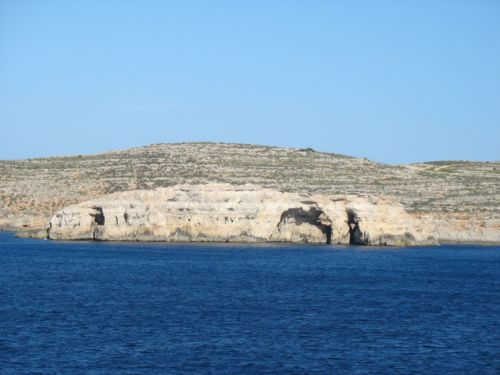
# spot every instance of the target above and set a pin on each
(106, 308)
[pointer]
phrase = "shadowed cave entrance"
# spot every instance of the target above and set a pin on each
(355, 234)
(314, 216)
(98, 216)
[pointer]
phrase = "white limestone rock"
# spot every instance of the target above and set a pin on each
(245, 213)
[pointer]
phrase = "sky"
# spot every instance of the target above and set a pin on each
(392, 81)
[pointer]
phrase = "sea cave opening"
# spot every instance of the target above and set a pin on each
(98, 216)
(354, 230)
(314, 216)
(327, 230)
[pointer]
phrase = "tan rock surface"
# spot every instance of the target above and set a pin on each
(462, 228)
(247, 213)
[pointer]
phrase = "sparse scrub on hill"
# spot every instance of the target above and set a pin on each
(46, 184)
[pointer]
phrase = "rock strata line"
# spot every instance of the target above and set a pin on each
(246, 213)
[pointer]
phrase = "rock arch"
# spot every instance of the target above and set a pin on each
(314, 216)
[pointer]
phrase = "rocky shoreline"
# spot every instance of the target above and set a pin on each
(248, 213)
(450, 201)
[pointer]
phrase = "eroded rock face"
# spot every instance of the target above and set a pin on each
(462, 228)
(246, 213)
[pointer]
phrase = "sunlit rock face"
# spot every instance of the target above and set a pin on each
(244, 213)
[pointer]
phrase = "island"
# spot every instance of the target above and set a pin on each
(245, 193)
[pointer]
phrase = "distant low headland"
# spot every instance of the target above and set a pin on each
(248, 193)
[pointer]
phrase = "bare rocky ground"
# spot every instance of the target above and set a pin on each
(32, 190)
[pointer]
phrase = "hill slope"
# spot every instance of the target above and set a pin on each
(31, 190)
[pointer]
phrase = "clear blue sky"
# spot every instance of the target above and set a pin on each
(394, 81)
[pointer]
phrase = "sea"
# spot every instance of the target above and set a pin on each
(157, 308)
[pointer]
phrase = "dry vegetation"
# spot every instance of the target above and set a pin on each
(40, 186)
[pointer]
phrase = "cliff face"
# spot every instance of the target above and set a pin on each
(462, 228)
(224, 212)
(32, 190)
(456, 201)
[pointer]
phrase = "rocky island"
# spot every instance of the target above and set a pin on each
(245, 193)
(223, 213)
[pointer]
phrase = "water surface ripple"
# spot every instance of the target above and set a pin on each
(103, 308)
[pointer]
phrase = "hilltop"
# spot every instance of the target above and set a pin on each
(32, 190)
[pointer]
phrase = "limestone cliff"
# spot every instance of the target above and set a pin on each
(456, 201)
(245, 213)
